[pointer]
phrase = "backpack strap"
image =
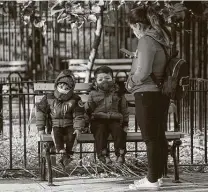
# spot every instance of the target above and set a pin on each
(152, 75)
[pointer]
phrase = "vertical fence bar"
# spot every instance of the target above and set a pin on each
(205, 89)
(205, 121)
(205, 126)
(205, 48)
(25, 133)
(9, 36)
(1, 110)
(103, 40)
(10, 125)
(72, 47)
(109, 40)
(42, 69)
(3, 39)
(193, 84)
(116, 32)
(47, 41)
(28, 104)
(15, 36)
(191, 121)
(84, 45)
(200, 72)
(65, 44)
(77, 33)
(20, 116)
(193, 47)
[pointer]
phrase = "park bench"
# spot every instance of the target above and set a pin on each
(13, 70)
(120, 67)
(83, 88)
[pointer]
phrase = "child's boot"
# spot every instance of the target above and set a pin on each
(121, 157)
(104, 157)
(61, 152)
(66, 160)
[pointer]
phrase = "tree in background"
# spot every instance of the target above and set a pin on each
(78, 12)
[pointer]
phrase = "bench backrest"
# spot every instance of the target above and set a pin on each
(120, 67)
(12, 69)
(81, 88)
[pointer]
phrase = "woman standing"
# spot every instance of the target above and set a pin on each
(151, 104)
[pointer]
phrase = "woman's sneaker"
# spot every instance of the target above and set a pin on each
(160, 181)
(144, 184)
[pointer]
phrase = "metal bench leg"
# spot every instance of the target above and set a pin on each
(165, 170)
(176, 143)
(39, 158)
(42, 161)
(80, 156)
(48, 160)
(94, 151)
(43, 169)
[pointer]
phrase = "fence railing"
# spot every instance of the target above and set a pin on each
(61, 42)
(18, 140)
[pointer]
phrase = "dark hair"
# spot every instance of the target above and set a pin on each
(103, 69)
(138, 15)
(147, 15)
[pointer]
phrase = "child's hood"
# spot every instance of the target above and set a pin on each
(67, 77)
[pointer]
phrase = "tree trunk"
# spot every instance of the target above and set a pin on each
(93, 52)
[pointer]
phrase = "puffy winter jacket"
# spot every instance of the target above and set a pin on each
(63, 113)
(101, 105)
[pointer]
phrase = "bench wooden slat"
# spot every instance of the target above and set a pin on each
(43, 86)
(113, 67)
(129, 98)
(12, 69)
(82, 74)
(39, 97)
(5, 75)
(12, 63)
(50, 86)
(78, 87)
(131, 137)
(84, 99)
(100, 61)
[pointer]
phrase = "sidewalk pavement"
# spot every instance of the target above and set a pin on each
(189, 183)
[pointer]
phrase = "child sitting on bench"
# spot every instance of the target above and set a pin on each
(108, 114)
(66, 112)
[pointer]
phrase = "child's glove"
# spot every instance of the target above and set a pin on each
(42, 132)
(77, 133)
(126, 128)
(85, 130)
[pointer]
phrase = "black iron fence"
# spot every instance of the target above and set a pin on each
(19, 139)
(18, 143)
(46, 53)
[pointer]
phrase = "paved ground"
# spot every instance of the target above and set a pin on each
(189, 183)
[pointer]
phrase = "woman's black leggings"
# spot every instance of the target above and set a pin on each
(151, 115)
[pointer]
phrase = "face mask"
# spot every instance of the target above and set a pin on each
(106, 85)
(63, 95)
(63, 91)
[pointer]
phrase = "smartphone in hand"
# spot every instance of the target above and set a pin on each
(128, 53)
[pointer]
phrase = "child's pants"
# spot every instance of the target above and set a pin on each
(101, 129)
(64, 135)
